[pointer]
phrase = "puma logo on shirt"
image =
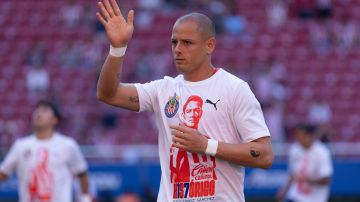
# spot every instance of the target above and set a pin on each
(210, 102)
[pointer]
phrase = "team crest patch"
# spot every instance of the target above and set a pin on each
(172, 106)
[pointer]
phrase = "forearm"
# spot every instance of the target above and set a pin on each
(109, 79)
(253, 154)
(84, 183)
(286, 187)
(283, 190)
(321, 181)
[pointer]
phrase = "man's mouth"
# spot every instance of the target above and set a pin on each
(179, 60)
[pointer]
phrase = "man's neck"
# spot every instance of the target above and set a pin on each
(200, 74)
(44, 134)
(309, 145)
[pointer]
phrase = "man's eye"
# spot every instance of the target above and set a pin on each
(187, 42)
(173, 42)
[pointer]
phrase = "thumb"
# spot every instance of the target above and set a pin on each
(130, 17)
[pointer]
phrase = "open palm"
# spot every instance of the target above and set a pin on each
(118, 30)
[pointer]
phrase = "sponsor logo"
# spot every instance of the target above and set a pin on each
(212, 103)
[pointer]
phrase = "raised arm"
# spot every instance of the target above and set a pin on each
(119, 32)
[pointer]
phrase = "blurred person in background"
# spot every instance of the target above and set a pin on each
(128, 197)
(310, 169)
(305, 9)
(277, 13)
(71, 13)
(37, 83)
(46, 161)
(345, 32)
(323, 8)
(37, 79)
(71, 55)
(231, 116)
(320, 115)
(37, 55)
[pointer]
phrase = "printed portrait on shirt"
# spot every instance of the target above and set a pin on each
(192, 175)
(192, 111)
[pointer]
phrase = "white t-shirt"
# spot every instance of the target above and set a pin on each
(223, 108)
(313, 163)
(45, 168)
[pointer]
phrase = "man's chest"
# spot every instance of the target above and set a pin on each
(194, 108)
(306, 164)
(51, 157)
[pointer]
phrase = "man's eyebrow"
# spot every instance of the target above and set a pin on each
(181, 39)
(188, 39)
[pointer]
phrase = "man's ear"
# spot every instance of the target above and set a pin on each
(56, 122)
(210, 45)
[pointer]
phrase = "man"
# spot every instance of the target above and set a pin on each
(46, 161)
(228, 127)
(310, 169)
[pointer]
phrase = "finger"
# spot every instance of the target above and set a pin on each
(178, 134)
(109, 8)
(104, 11)
(101, 19)
(181, 128)
(175, 127)
(180, 146)
(130, 17)
(116, 8)
(177, 140)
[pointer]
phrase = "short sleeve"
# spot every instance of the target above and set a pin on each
(248, 116)
(77, 161)
(148, 94)
(326, 169)
(10, 161)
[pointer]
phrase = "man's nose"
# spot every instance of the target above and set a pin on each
(178, 48)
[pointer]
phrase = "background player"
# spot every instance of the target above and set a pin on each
(46, 161)
(310, 169)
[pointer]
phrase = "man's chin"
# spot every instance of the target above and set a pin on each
(180, 68)
(38, 128)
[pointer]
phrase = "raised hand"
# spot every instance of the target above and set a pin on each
(118, 30)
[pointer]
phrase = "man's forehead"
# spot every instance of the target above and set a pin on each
(187, 28)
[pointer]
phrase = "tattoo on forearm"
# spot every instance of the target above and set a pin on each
(254, 153)
(134, 99)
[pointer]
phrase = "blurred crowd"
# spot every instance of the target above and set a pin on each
(255, 41)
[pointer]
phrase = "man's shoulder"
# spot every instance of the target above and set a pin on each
(321, 148)
(231, 80)
(295, 148)
(63, 139)
(25, 140)
(166, 80)
(230, 76)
